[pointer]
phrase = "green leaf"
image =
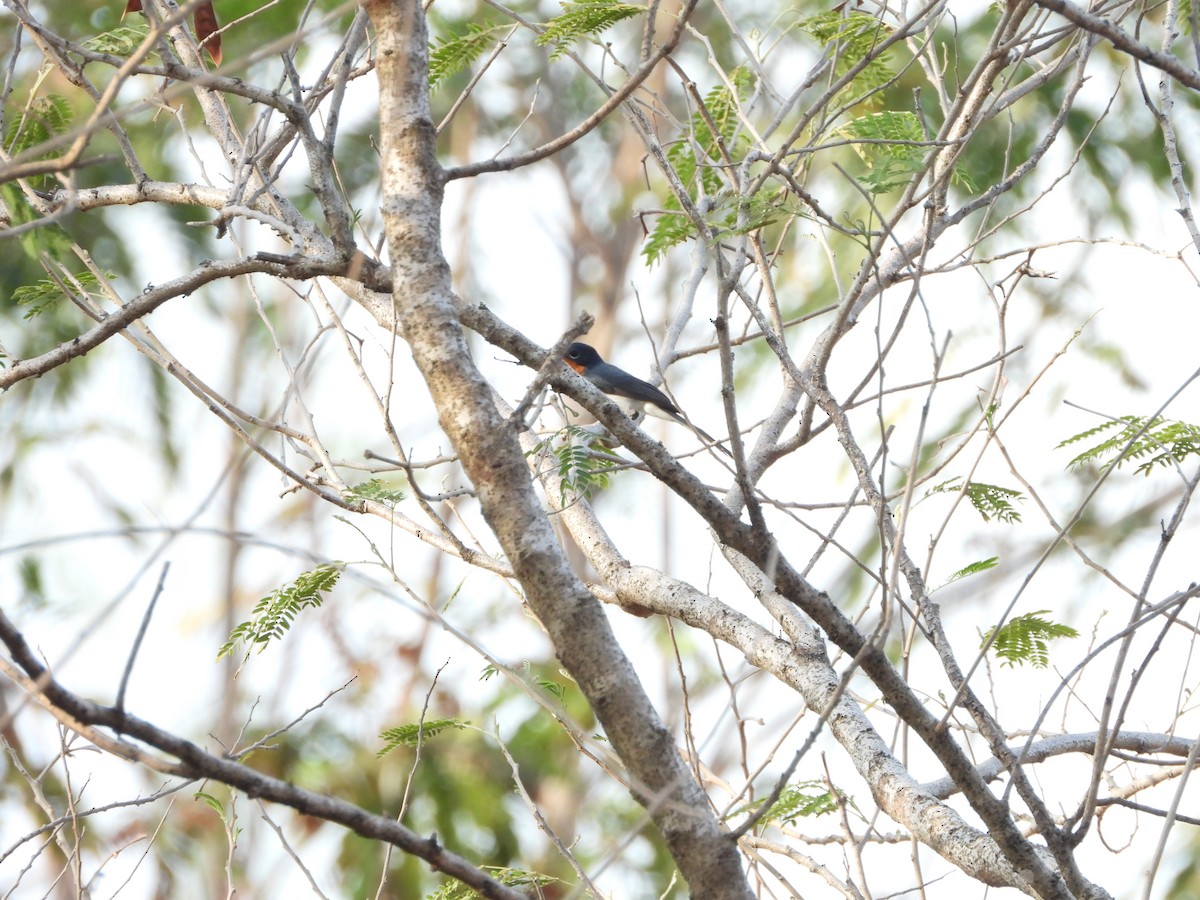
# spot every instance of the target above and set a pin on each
(377, 490)
(458, 52)
(721, 106)
(898, 129)
(973, 569)
(587, 18)
(411, 735)
(670, 230)
(765, 207)
(897, 150)
(851, 39)
(1024, 639)
(273, 614)
(120, 41)
(584, 464)
(1157, 442)
(43, 295)
(48, 239)
(553, 687)
(44, 118)
(990, 500)
(456, 890)
(804, 800)
(211, 802)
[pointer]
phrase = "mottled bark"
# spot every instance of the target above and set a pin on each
(425, 314)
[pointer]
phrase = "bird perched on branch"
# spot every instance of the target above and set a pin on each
(635, 395)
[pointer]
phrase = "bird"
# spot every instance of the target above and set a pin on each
(639, 396)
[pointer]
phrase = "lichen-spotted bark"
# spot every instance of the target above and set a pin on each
(424, 313)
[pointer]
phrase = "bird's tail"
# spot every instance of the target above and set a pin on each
(709, 439)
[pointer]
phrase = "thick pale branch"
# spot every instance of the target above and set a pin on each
(761, 550)
(803, 664)
(425, 310)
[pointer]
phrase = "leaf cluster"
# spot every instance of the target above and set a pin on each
(584, 464)
(456, 890)
(42, 296)
(584, 19)
(981, 565)
(458, 52)
(273, 614)
(41, 120)
(807, 799)
(803, 800)
(894, 146)
(1156, 442)
(122, 40)
(851, 39)
(990, 500)
(1025, 639)
(411, 735)
(695, 156)
(378, 490)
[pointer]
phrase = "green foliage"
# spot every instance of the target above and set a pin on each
(896, 152)
(211, 802)
(122, 40)
(458, 52)
(803, 800)
(411, 735)
(766, 207)
(274, 613)
(1186, 883)
(973, 569)
(700, 176)
(851, 39)
(587, 18)
(808, 798)
(44, 118)
(721, 104)
(1157, 442)
(670, 230)
(1024, 639)
(990, 500)
(728, 213)
(892, 163)
(456, 890)
(993, 501)
(40, 120)
(43, 295)
(585, 465)
(33, 585)
(559, 691)
(378, 490)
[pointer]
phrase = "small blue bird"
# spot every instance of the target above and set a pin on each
(638, 396)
